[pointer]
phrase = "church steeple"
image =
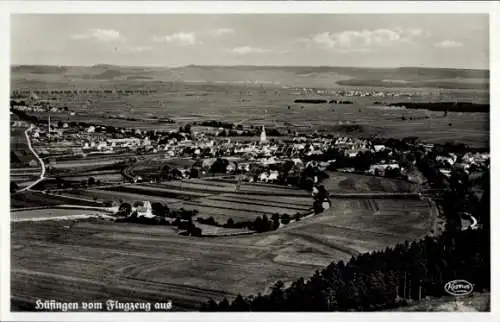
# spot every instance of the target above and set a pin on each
(263, 138)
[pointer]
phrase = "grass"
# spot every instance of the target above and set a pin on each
(40, 214)
(27, 199)
(20, 154)
(103, 195)
(103, 260)
(339, 182)
(158, 192)
(476, 302)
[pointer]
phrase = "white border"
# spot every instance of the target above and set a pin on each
(210, 7)
(229, 7)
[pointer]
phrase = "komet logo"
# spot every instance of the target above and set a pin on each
(458, 287)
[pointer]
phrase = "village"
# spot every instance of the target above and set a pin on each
(255, 158)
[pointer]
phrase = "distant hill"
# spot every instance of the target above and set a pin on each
(38, 69)
(295, 76)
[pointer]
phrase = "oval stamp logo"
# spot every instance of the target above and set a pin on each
(458, 287)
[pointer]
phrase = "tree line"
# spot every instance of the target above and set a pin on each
(447, 106)
(260, 224)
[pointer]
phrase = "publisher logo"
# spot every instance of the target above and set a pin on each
(458, 287)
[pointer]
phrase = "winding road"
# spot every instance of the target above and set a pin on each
(42, 174)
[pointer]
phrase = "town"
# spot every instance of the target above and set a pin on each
(300, 161)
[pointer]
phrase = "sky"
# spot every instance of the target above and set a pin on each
(353, 40)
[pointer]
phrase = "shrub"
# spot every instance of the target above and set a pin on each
(285, 219)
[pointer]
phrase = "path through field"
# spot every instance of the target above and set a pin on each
(42, 164)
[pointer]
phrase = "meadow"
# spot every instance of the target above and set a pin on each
(196, 93)
(339, 182)
(130, 261)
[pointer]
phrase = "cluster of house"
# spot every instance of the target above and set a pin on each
(469, 162)
(263, 152)
(352, 92)
(39, 108)
(364, 93)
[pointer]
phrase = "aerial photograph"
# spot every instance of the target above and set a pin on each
(249, 162)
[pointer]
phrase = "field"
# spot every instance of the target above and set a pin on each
(128, 261)
(20, 156)
(104, 195)
(351, 183)
(211, 197)
(196, 93)
(50, 213)
(29, 199)
(271, 110)
(96, 259)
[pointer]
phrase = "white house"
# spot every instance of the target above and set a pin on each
(102, 145)
(298, 162)
(244, 167)
(445, 159)
(91, 129)
(145, 210)
(269, 176)
(231, 167)
(445, 172)
(382, 167)
(273, 176)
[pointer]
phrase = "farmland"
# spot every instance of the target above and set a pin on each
(28, 199)
(212, 198)
(52, 213)
(345, 183)
(128, 260)
(21, 155)
(235, 101)
(125, 261)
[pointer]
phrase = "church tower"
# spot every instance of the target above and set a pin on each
(263, 138)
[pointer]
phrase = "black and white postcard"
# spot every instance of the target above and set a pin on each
(248, 162)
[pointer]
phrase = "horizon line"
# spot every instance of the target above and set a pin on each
(249, 65)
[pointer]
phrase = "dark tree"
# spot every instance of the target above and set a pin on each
(285, 219)
(91, 181)
(210, 306)
(239, 304)
(223, 305)
(125, 209)
(219, 166)
(258, 224)
(159, 209)
(229, 223)
(194, 173)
